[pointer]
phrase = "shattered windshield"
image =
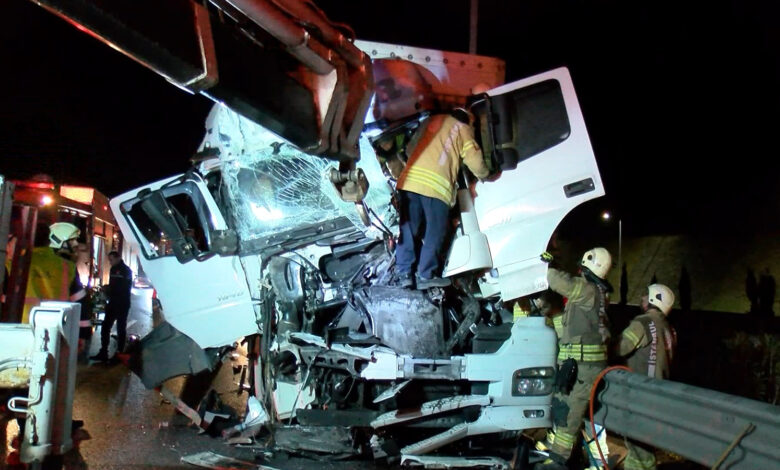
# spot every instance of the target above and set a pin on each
(272, 187)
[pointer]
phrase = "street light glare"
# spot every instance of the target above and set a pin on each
(606, 215)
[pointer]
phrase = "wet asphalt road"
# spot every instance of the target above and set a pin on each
(129, 425)
(132, 427)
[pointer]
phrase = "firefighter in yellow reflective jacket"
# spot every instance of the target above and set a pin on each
(52, 269)
(648, 345)
(550, 305)
(582, 351)
(427, 191)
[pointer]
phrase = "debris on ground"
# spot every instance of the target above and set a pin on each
(300, 440)
(182, 407)
(439, 462)
(254, 420)
(216, 416)
(220, 462)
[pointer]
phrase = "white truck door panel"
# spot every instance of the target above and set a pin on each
(555, 172)
(206, 298)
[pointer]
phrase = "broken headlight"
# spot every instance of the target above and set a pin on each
(533, 381)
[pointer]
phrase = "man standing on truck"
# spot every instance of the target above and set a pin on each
(648, 344)
(427, 191)
(119, 285)
(582, 351)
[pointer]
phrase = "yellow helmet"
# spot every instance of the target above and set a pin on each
(598, 261)
(60, 233)
(661, 297)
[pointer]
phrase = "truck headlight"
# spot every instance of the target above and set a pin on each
(533, 381)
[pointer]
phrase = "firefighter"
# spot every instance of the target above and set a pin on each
(53, 273)
(551, 305)
(648, 345)
(426, 192)
(582, 351)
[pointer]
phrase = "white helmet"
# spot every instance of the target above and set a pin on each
(60, 233)
(598, 261)
(661, 297)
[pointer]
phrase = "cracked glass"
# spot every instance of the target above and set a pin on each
(273, 187)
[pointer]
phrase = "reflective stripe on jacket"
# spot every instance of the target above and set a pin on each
(435, 153)
(649, 342)
(580, 336)
(557, 322)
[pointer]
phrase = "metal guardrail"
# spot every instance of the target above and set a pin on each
(711, 428)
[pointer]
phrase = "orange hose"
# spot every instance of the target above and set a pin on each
(590, 408)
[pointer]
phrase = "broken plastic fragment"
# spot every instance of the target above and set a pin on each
(391, 392)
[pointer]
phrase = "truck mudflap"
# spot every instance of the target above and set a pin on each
(166, 353)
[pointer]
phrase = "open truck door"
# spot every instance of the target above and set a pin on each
(534, 133)
(182, 236)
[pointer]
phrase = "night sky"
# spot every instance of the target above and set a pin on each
(681, 99)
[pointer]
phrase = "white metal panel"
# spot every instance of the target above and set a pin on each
(287, 396)
(455, 73)
(49, 404)
(520, 210)
(531, 344)
(206, 300)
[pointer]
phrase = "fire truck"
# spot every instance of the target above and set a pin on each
(38, 202)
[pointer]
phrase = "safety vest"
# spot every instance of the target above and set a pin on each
(50, 278)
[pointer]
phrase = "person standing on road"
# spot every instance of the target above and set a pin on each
(119, 285)
(648, 344)
(582, 350)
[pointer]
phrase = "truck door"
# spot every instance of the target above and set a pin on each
(175, 224)
(533, 130)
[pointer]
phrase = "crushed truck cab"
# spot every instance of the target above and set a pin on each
(283, 230)
(256, 241)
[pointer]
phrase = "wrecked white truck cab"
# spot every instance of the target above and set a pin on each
(256, 242)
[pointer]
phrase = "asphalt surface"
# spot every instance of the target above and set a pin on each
(132, 427)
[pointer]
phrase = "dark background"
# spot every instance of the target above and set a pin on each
(680, 98)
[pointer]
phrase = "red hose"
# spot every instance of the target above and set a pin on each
(590, 408)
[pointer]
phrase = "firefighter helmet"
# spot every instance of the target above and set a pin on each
(60, 233)
(661, 297)
(598, 261)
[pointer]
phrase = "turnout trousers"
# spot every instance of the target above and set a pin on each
(569, 410)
